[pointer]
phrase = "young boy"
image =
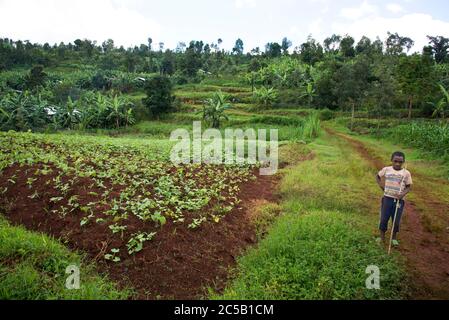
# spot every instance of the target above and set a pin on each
(396, 183)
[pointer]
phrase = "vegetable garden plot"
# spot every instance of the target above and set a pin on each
(122, 203)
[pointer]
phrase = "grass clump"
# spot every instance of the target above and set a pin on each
(32, 267)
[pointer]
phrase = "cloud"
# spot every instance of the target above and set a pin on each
(416, 25)
(245, 4)
(54, 21)
(354, 13)
(394, 8)
(316, 27)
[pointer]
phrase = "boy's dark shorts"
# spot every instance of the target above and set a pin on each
(387, 212)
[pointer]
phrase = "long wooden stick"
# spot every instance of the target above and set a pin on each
(398, 205)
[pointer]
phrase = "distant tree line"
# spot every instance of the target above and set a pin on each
(340, 73)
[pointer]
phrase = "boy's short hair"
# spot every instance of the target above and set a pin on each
(398, 154)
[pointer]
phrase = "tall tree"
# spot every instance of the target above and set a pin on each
(159, 98)
(332, 43)
(352, 83)
(397, 44)
(440, 47)
(311, 51)
(273, 49)
(347, 47)
(415, 76)
(238, 47)
(286, 44)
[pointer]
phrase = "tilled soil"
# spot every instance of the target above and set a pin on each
(179, 263)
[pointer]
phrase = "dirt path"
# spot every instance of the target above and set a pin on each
(426, 252)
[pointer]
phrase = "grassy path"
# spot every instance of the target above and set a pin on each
(322, 244)
(426, 222)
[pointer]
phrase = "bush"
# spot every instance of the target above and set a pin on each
(65, 89)
(159, 98)
(36, 77)
(326, 115)
(265, 97)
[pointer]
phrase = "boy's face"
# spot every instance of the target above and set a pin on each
(398, 162)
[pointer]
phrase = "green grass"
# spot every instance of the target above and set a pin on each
(430, 137)
(430, 174)
(32, 267)
(324, 241)
(292, 128)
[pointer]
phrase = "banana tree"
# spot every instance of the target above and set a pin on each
(129, 117)
(265, 97)
(69, 115)
(309, 93)
(100, 106)
(118, 107)
(214, 109)
(443, 104)
(16, 111)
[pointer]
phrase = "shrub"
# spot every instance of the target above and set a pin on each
(159, 98)
(326, 114)
(36, 77)
(265, 97)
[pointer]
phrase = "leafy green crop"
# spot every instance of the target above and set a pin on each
(112, 183)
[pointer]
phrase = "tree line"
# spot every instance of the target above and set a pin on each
(339, 74)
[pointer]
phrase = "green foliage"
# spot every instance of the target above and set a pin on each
(326, 115)
(36, 77)
(432, 138)
(135, 244)
(265, 97)
(32, 267)
(285, 72)
(22, 111)
(443, 104)
(312, 127)
(214, 109)
(320, 247)
(159, 98)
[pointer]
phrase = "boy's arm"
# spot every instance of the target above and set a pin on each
(406, 191)
(379, 182)
(408, 186)
(379, 179)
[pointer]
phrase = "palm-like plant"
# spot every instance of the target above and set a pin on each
(16, 108)
(129, 117)
(214, 109)
(100, 109)
(265, 97)
(69, 116)
(309, 93)
(443, 104)
(118, 109)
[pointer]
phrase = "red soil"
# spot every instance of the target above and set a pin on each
(179, 263)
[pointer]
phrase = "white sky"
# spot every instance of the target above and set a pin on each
(257, 22)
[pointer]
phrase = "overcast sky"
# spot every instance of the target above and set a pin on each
(256, 22)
